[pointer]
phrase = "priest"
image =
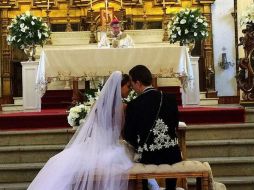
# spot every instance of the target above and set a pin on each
(115, 38)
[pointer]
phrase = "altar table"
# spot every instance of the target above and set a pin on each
(82, 62)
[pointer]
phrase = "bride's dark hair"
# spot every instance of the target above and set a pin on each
(125, 79)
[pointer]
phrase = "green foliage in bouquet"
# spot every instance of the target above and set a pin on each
(26, 30)
(188, 26)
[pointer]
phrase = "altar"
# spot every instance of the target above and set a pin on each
(82, 62)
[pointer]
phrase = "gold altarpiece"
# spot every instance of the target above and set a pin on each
(86, 15)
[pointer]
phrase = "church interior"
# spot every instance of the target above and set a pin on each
(212, 79)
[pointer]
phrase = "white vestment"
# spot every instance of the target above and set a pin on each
(123, 40)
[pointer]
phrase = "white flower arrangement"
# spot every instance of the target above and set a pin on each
(248, 16)
(188, 26)
(78, 113)
(27, 30)
(131, 96)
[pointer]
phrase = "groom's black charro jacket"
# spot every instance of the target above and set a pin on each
(161, 148)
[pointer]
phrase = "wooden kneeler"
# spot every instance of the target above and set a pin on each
(181, 170)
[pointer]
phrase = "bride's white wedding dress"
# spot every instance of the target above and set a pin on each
(93, 159)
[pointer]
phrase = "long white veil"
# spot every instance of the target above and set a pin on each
(93, 159)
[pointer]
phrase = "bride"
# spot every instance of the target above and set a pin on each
(93, 159)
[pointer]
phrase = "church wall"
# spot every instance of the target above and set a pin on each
(224, 38)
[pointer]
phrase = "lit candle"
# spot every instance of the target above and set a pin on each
(121, 3)
(91, 4)
(48, 5)
(163, 2)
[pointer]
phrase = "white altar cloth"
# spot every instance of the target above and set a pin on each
(79, 62)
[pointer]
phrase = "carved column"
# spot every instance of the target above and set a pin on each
(245, 77)
(6, 54)
(207, 51)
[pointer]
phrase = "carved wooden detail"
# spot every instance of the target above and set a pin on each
(5, 59)
(167, 2)
(43, 3)
(245, 77)
(7, 4)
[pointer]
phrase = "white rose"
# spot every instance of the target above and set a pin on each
(205, 24)
(200, 20)
(183, 21)
(22, 17)
(39, 34)
(179, 33)
(46, 35)
(22, 25)
(202, 33)
(186, 31)
(23, 30)
(8, 38)
(32, 23)
(195, 33)
(195, 25)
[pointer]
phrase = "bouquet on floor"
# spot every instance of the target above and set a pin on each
(78, 113)
(188, 26)
(27, 30)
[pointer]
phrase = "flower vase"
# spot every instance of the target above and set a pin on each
(191, 46)
(30, 52)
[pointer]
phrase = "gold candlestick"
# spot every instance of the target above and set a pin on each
(145, 21)
(165, 24)
(49, 41)
(68, 25)
(92, 28)
(122, 11)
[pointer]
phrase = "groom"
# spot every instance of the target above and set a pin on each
(151, 122)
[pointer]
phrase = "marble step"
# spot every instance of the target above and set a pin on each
(36, 137)
(18, 100)
(237, 183)
(19, 173)
(249, 115)
(220, 131)
(230, 166)
(231, 183)
(14, 186)
(208, 101)
(222, 148)
(202, 95)
(28, 154)
(17, 106)
(11, 107)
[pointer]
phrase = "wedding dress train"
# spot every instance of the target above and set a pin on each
(93, 159)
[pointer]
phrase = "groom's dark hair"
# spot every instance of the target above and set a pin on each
(141, 73)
